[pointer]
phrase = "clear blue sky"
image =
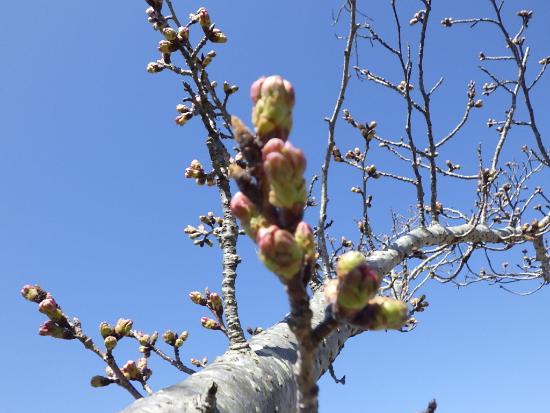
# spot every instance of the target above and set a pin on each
(94, 201)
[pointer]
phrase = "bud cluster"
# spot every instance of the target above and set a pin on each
(214, 303)
(196, 171)
(57, 325)
(270, 173)
(351, 297)
(113, 334)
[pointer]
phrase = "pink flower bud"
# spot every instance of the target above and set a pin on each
(284, 165)
(131, 371)
(279, 251)
(358, 282)
(273, 99)
(382, 313)
(33, 293)
(215, 302)
(50, 328)
(242, 207)
(304, 238)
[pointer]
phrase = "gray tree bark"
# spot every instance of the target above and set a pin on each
(263, 380)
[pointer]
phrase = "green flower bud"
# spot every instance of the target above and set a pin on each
(100, 381)
(210, 324)
(279, 252)
(183, 33)
(184, 335)
(169, 33)
(197, 298)
(169, 337)
(284, 165)
(178, 343)
(382, 313)
(123, 327)
(273, 99)
(358, 282)
(166, 47)
(110, 342)
(105, 329)
(131, 371)
(217, 36)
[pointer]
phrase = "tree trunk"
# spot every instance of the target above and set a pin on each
(261, 380)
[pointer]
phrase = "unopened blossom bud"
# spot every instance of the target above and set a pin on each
(203, 18)
(215, 302)
(50, 308)
(209, 323)
(33, 293)
(166, 46)
(100, 381)
(197, 298)
(131, 371)
(178, 343)
(358, 282)
(273, 99)
(142, 338)
(123, 326)
(183, 33)
(284, 165)
(304, 238)
(105, 329)
(183, 118)
(184, 335)
(195, 362)
(50, 328)
(154, 67)
(217, 36)
(169, 337)
(169, 33)
(279, 251)
(243, 208)
(110, 342)
(382, 313)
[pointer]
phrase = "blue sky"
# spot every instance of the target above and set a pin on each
(94, 201)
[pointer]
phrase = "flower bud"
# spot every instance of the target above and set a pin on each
(123, 326)
(197, 298)
(131, 371)
(183, 33)
(358, 282)
(50, 308)
(110, 342)
(33, 293)
(184, 335)
(166, 47)
(284, 165)
(100, 381)
(217, 36)
(279, 251)
(210, 324)
(178, 343)
(243, 208)
(50, 328)
(154, 67)
(169, 337)
(143, 339)
(382, 313)
(304, 238)
(169, 33)
(105, 329)
(203, 18)
(215, 302)
(273, 99)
